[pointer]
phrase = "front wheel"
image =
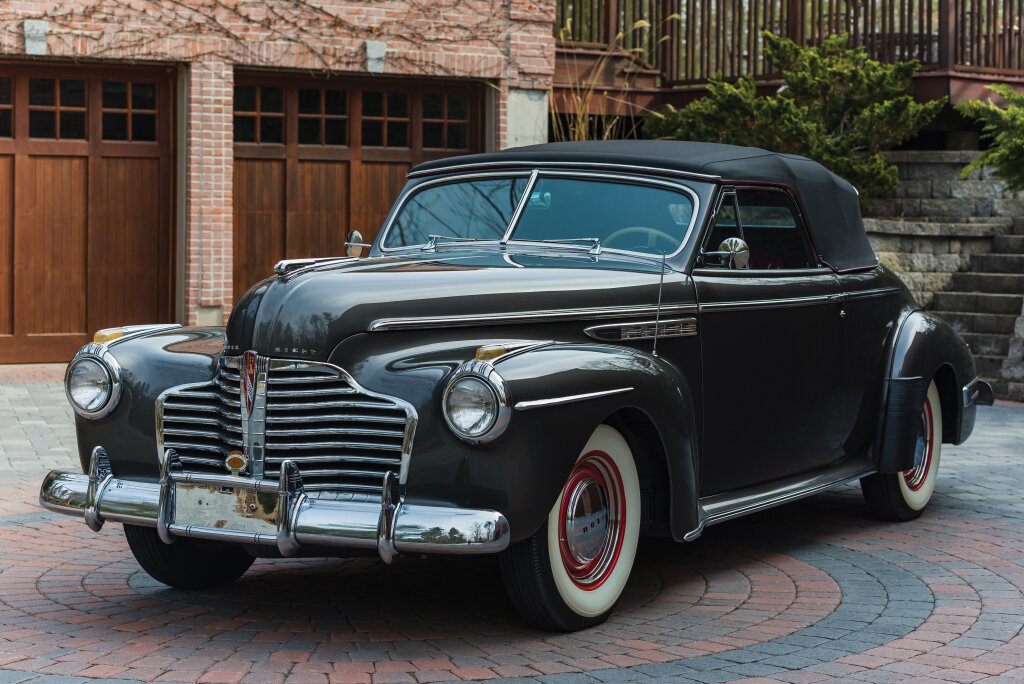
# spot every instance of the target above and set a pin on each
(187, 563)
(571, 572)
(903, 496)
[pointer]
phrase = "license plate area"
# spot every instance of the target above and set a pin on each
(230, 509)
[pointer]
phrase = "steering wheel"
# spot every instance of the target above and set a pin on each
(650, 235)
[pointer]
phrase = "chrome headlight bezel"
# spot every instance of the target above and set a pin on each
(97, 353)
(484, 372)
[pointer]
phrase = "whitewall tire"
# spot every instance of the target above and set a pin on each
(571, 572)
(904, 496)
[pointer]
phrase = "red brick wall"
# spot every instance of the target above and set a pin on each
(507, 42)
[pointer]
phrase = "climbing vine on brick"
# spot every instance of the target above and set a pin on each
(836, 106)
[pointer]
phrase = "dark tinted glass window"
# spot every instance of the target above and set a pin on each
(373, 104)
(373, 133)
(398, 134)
(5, 123)
(334, 102)
(42, 123)
(271, 129)
(457, 107)
(245, 99)
(245, 129)
(271, 100)
(772, 230)
(5, 91)
(309, 100)
(636, 218)
(433, 106)
(334, 131)
(115, 126)
(41, 92)
(143, 127)
(479, 209)
(398, 105)
(456, 136)
(72, 94)
(115, 95)
(309, 131)
(72, 125)
(143, 95)
(433, 134)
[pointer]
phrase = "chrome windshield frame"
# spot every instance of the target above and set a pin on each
(534, 174)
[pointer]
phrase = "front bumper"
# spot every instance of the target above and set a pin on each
(391, 526)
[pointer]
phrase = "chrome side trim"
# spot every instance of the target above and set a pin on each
(287, 266)
(133, 331)
(722, 507)
(565, 164)
(643, 330)
(870, 294)
(556, 401)
(422, 322)
(768, 303)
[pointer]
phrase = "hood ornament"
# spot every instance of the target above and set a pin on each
(249, 381)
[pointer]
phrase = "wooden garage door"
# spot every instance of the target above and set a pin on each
(85, 205)
(315, 159)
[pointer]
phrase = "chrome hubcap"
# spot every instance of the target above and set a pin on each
(916, 476)
(586, 521)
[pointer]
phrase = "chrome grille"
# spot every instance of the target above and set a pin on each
(342, 437)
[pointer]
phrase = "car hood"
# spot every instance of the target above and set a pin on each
(307, 313)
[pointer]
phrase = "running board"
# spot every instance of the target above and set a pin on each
(729, 505)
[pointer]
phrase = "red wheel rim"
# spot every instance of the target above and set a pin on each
(591, 510)
(916, 477)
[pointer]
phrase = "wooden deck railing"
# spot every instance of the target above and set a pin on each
(689, 41)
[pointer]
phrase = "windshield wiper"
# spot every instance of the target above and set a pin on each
(432, 241)
(594, 249)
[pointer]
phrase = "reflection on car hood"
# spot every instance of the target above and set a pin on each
(307, 313)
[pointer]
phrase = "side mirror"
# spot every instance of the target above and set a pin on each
(354, 245)
(733, 253)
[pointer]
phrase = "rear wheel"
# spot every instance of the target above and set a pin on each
(903, 496)
(571, 572)
(187, 563)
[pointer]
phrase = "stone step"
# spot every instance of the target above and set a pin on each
(967, 322)
(1008, 244)
(959, 207)
(988, 283)
(941, 189)
(987, 344)
(973, 227)
(980, 303)
(998, 263)
(989, 366)
(1007, 390)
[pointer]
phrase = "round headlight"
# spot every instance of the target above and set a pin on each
(471, 406)
(89, 385)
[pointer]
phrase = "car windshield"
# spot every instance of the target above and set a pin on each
(612, 214)
(620, 215)
(478, 209)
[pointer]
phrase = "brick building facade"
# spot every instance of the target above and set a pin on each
(299, 115)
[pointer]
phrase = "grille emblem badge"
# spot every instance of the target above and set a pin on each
(236, 462)
(249, 381)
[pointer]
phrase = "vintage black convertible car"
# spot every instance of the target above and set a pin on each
(547, 353)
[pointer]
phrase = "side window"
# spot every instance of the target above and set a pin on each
(771, 226)
(726, 225)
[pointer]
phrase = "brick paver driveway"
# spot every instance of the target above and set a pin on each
(804, 593)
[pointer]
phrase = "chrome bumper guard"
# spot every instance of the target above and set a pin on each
(979, 392)
(391, 527)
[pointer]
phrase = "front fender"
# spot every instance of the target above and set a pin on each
(149, 364)
(926, 348)
(522, 472)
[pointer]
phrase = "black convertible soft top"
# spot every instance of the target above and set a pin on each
(830, 203)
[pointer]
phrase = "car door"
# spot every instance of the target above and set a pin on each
(770, 344)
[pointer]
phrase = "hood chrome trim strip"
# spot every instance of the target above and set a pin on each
(557, 401)
(422, 322)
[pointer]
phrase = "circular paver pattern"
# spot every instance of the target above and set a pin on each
(807, 592)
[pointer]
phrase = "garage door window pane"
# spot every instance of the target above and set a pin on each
(334, 102)
(309, 130)
(72, 125)
(5, 91)
(144, 127)
(457, 136)
(245, 98)
(115, 126)
(245, 129)
(334, 131)
(433, 134)
(72, 93)
(271, 100)
(40, 92)
(309, 100)
(373, 104)
(143, 97)
(433, 108)
(398, 134)
(271, 129)
(457, 107)
(373, 133)
(115, 95)
(398, 105)
(42, 123)
(5, 123)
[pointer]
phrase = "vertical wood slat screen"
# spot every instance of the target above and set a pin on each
(690, 41)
